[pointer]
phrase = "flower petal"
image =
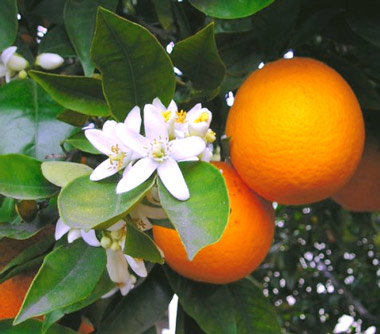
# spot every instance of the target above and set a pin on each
(187, 147)
(158, 104)
(3, 70)
(139, 173)
(117, 266)
(173, 180)
(73, 235)
(60, 229)
(100, 140)
(117, 226)
(105, 169)
(137, 266)
(109, 128)
(7, 54)
(194, 109)
(132, 139)
(154, 124)
(110, 293)
(133, 120)
(90, 238)
(150, 211)
(128, 285)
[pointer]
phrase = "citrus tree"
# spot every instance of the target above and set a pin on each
(211, 150)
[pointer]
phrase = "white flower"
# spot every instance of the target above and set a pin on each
(74, 233)
(107, 142)
(142, 212)
(49, 61)
(199, 120)
(11, 63)
(159, 153)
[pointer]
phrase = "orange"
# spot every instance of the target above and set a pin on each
(297, 131)
(242, 247)
(362, 192)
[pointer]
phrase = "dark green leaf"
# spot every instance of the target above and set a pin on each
(103, 286)
(89, 204)
(237, 308)
(233, 26)
(7, 210)
(25, 260)
(67, 276)
(78, 93)
(21, 177)
(28, 122)
(197, 57)
(134, 65)
(27, 210)
(51, 10)
(201, 220)
(61, 173)
(8, 23)
(226, 9)
(31, 327)
(139, 245)
(57, 41)
(73, 118)
(164, 13)
(79, 141)
(140, 309)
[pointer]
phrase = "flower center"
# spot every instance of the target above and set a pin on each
(181, 116)
(116, 157)
(159, 151)
(166, 114)
(203, 117)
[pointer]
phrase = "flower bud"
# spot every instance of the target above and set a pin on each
(49, 61)
(17, 63)
(22, 74)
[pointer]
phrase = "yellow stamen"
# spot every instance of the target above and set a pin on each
(117, 156)
(166, 114)
(203, 117)
(181, 116)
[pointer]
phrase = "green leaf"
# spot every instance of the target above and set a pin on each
(77, 93)
(103, 286)
(134, 65)
(8, 23)
(197, 57)
(21, 178)
(28, 122)
(7, 210)
(139, 245)
(200, 220)
(51, 10)
(226, 9)
(31, 326)
(26, 259)
(61, 173)
(82, 13)
(67, 276)
(79, 141)
(57, 41)
(73, 118)
(140, 309)
(237, 308)
(164, 13)
(89, 204)
(365, 20)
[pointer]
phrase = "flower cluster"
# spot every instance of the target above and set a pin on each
(13, 65)
(171, 135)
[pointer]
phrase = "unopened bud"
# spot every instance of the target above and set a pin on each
(23, 74)
(17, 63)
(49, 61)
(106, 242)
(115, 246)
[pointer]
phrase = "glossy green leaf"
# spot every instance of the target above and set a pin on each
(89, 204)
(198, 59)
(73, 118)
(237, 308)
(7, 210)
(79, 141)
(135, 67)
(21, 177)
(57, 41)
(139, 245)
(200, 221)
(68, 275)
(28, 258)
(226, 9)
(28, 123)
(51, 10)
(365, 20)
(82, 13)
(31, 326)
(78, 93)
(140, 309)
(61, 173)
(103, 286)
(164, 13)
(8, 23)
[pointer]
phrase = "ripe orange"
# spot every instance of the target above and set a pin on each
(362, 192)
(242, 247)
(297, 131)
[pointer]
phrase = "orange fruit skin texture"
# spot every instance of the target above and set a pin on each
(242, 247)
(297, 131)
(362, 192)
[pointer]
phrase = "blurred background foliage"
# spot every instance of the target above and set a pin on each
(324, 262)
